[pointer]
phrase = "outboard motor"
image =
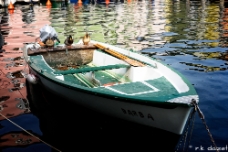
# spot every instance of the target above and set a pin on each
(46, 32)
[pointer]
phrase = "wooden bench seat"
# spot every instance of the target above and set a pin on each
(90, 69)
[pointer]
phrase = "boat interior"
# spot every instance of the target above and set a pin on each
(96, 68)
(102, 69)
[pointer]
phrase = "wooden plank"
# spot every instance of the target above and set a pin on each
(89, 69)
(61, 48)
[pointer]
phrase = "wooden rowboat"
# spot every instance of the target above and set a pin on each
(116, 82)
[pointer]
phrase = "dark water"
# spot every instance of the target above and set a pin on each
(191, 36)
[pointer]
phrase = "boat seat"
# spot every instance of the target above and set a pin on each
(90, 69)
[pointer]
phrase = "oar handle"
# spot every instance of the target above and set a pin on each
(121, 56)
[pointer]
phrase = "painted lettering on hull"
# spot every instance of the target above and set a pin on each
(137, 114)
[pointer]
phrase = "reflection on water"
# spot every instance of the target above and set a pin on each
(189, 35)
(66, 126)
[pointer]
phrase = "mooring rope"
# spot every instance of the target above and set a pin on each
(29, 133)
(204, 122)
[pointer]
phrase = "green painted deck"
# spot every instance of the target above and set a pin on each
(112, 84)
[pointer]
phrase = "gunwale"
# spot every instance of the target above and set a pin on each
(46, 71)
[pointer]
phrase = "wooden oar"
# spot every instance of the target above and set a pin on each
(120, 56)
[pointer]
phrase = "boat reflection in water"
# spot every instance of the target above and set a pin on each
(67, 126)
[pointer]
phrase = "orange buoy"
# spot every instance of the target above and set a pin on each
(11, 11)
(48, 3)
(10, 6)
(79, 1)
(107, 2)
(48, 7)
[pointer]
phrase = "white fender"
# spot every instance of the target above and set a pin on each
(32, 79)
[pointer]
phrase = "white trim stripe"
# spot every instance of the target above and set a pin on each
(185, 99)
(138, 93)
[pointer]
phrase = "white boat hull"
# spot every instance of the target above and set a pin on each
(169, 119)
